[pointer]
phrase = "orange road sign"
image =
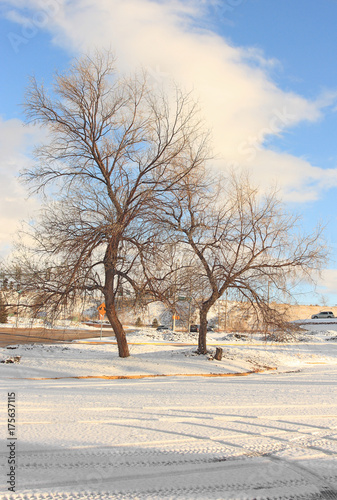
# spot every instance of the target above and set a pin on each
(102, 310)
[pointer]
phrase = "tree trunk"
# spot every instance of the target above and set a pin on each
(218, 354)
(110, 294)
(117, 326)
(202, 347)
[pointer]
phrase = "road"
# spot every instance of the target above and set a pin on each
(10, 336)
(266, 436)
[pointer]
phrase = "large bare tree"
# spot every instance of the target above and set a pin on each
(115, 148)
(236, 239)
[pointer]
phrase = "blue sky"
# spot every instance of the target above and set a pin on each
(265, 72)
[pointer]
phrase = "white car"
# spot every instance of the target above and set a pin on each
(323, 315)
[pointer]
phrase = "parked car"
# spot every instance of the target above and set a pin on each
(195, 328)
(162, 327)
(323, 315)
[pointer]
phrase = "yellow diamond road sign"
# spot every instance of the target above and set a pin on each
(102, 309)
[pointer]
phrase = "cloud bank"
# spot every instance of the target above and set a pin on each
(241, 103)
(15, 139)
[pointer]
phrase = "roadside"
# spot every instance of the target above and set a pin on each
(10, 336)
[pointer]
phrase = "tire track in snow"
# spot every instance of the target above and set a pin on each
(327, 490)
(188, 475)
(321, 485)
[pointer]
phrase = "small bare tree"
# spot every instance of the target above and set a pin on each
(170, 275)
(115, 148)
(238, 240)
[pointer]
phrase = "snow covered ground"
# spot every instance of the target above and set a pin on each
(268, 435)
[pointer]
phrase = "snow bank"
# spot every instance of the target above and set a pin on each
(165, 353)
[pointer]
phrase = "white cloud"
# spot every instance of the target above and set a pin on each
(14, 205)
(328, 282)
(241, 103)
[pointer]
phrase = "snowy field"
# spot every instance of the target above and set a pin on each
(261, 424)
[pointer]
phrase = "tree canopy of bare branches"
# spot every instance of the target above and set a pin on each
(235, 239)
(115, 149)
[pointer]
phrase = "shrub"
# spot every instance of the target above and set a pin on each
(3, 311)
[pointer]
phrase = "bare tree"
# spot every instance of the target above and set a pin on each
(115, 149)
(170, 275)
(237, 240)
